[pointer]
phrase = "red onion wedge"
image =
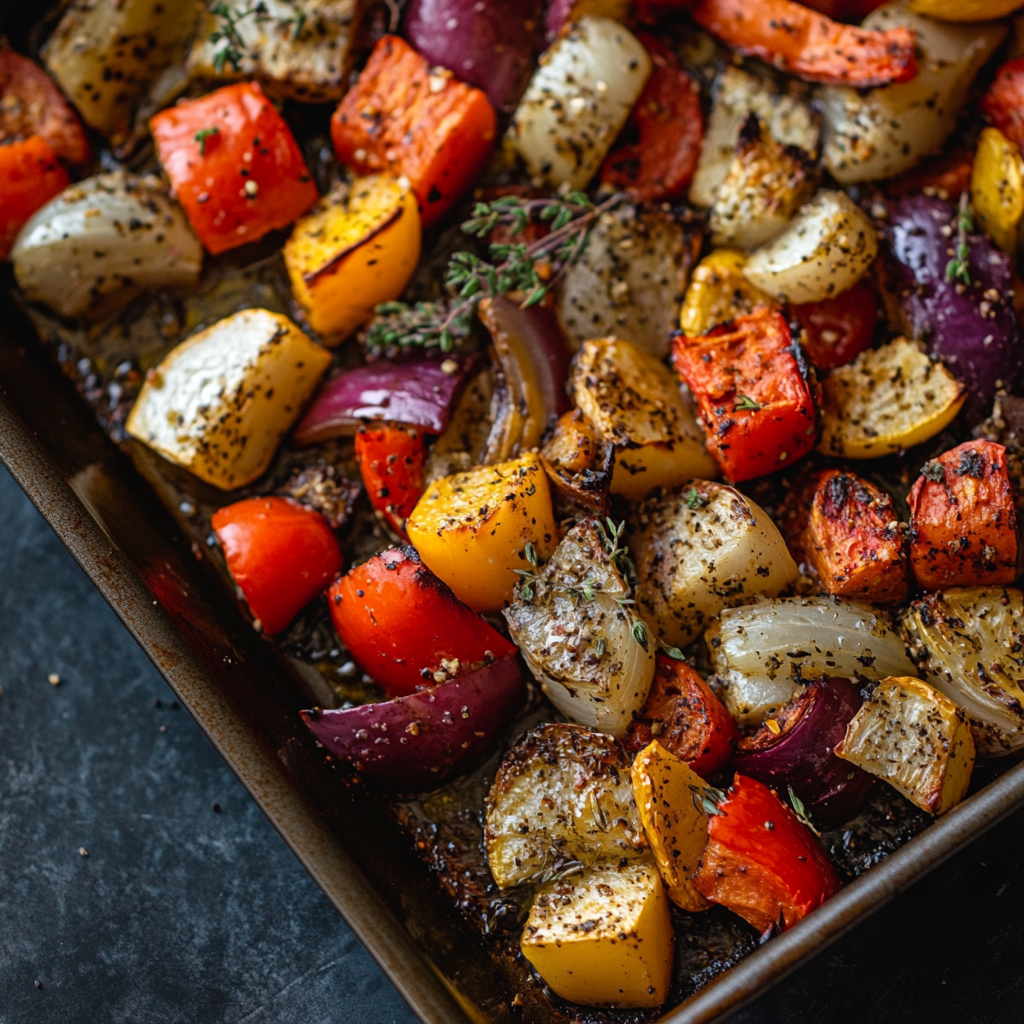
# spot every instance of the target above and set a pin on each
(418, 393)
(418, 742)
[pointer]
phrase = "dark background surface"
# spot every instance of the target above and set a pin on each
(184, 912)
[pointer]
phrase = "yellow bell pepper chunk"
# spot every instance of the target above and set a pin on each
(718, 292)
(357, 248)
(603, 938)
(997, 188)
(966, 10)
(471, 529)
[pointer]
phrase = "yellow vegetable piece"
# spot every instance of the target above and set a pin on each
(888, 398)
(718, 292)
(357, 248)
(965, 10)
(603, 938)
(471, 529)
(676, 828)
(997, 188)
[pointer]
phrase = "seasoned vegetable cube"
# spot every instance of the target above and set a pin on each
(391, 461)
(914, 738)
(963, 526)
(752, 391)
(997, 188)
(719, 292)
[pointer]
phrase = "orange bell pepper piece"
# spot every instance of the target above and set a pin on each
(30, 176)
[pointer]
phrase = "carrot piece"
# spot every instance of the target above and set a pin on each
(234, 165)
(809, 45)
(391, 459)
(30, 176)
(963, 526)
(753, 395)
(838, 329)
(409, 119)
(1003, 104)
(854, 540)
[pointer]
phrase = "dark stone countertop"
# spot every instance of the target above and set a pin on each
(183, 912)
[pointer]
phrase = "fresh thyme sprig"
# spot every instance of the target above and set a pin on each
(612, 539)
(959, 267)
(528, 269)
(800, 810)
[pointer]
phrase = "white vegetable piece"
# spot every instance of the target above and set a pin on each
(789, 118)
(764, 651)
(578, 100)
(827, 248)
(592, 655)
(220, 402)
(884, 131)
(700, 549)
(101, 242)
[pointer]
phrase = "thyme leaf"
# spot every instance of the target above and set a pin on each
(800, 810)
(202, 135)
(744, 403)
(694, 499)
(959, 267)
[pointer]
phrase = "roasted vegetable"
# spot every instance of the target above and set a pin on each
(391, 460)
(30, 176)
(761, 861)
(578, 462)
(629, 280)
(837, 330)
(878, 134)
(220, 402)
(793, 749)
(965, 10)
(411, 120)
(826, 249)
(963, 525)
(719, 292)
(699, 549)
(686, 718)
(573, 623)
(421, 740)
(1002, 104)
(356, 249)
(405, 627)
(473, 528)
(997, 188)
(946, 176)
(752, 391)
(916, 739)
(280, 554)
(887, 399)
(603, 938)
(103, 241)
(676, 824)
(855, 541)
(967, 643)
(765, 651)
(562, 13)
(634, 402)
(578, 100)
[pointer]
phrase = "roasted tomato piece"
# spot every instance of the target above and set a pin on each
(1003, 104)
(683, 714)
(391, 459)
(280, 553)
(855, 541)
(663, 134)
(30, 176)
(413, 120)
(405, 627)
(963, 525)
(753, 394)
(761, 861)
(837, 330)
(234, 165)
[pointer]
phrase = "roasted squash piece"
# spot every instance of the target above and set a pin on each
(997, 188)
(719, 292)
(579, 464)
(914, 738)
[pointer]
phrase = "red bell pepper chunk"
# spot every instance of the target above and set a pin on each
(408, 119)
(840, 328)
(754, 399)
(30, 176)
(280, 553)
(391, 459)
(405, 627)
(667, 124)
(1003, 104)
(683, 714)
(234, 165)
(761, 861)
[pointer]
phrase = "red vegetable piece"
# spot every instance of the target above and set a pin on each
(1003, 104)
(664, 133)
(418, 741)
(32, 104)
(30, 176)
(683, 714)
(944, 176)
(853, 11)
(963, 524)
(280, 553)
(408, 119)
(838, 329)
(405, 627)
(761, 862)
(391, 459)
(754, 399)
(234, 165)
